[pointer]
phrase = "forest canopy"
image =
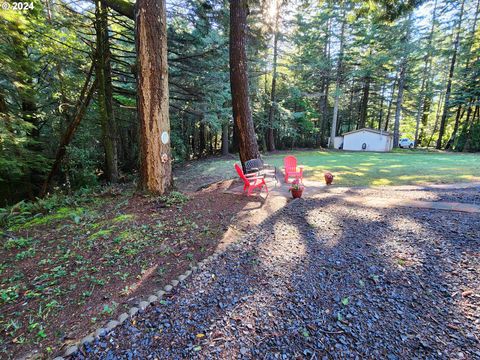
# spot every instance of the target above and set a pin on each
(316, 69)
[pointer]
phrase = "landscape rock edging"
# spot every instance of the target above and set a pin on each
(143, 305)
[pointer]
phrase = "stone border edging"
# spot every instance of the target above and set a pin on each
(142, 305)
(153, 298)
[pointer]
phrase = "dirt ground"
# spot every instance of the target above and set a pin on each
(325, 278)
(65, 274)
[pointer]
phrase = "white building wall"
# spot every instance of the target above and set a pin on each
(338, 141)
(373, 141)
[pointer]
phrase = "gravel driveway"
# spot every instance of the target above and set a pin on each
(323, 280)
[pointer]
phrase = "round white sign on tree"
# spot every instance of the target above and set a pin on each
(165, 138)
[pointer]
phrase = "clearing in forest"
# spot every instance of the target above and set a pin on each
(401, 167)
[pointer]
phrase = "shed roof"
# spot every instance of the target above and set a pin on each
(380, 132)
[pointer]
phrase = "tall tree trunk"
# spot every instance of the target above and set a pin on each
(458, 117)
(325, 121)
(235, 139)
(242, 115)
(427, 103)
(380, 116)
(446, 106)
(338, 82)
(350, 106)
(398, 110)
(401, 84)
(437, 118)
(419, 110)
(426, 76)
(469, 129)
(225, 139)
(210, 140)
(104, 93)
(469, 126)
(273, 94)
(152, 102)
(202, 140)
(364, 105)
(266, 109)
(390, 103)
(325, 88)
(318, 140)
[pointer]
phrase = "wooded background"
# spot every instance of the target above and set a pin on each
(68, 81)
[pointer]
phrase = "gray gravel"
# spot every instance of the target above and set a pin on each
(323, 280)
(470, 195)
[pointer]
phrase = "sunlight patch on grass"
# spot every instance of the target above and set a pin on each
(354, 173)
(382, 182)
(361, 168)
(469, 177)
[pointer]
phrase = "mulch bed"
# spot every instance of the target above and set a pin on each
(63, 277)
(323, 280)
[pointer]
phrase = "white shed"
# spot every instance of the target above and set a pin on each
(337, 142)
(367, 140)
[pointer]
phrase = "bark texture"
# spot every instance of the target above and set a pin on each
(242, 115)
(152, 90)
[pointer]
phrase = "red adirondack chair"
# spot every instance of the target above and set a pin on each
(251, 181)
(291, 170)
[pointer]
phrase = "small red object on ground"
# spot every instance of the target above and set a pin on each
(328, 178)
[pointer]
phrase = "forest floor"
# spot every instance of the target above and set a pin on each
(400, 167)
(326, 278)
(80, 261)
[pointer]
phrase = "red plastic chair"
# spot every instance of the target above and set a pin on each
(290, 163)
(251, 181)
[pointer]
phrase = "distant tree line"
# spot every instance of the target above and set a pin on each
(79, 104)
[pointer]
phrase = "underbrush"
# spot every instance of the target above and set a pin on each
(70, 262)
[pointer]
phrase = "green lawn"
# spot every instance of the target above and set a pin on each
(353, 168)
